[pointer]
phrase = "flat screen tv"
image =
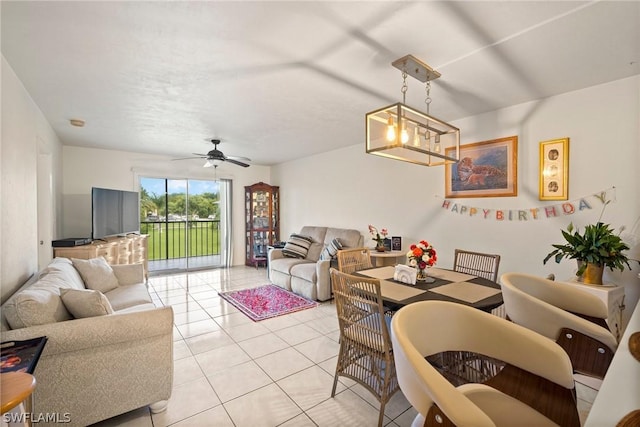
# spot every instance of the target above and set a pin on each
(114, 212)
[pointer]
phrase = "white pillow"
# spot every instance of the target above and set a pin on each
(96, 273)
(85, 303)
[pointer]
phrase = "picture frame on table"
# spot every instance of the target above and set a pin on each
(486, 169)
(554, 169)
(396, 243)
(387, 243)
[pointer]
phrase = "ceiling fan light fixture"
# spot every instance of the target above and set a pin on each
(381, 141)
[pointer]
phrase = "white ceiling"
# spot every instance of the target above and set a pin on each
(278, 81)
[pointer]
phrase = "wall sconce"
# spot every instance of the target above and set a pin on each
(404, 133)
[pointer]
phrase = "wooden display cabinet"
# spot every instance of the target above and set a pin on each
(262, 221)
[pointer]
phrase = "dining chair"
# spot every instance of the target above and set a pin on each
(365, 355)
(477, 263)
(532, 384)
(352, 260)
(481, 265)
(575, 319)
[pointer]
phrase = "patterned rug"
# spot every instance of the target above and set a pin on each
(266, 301)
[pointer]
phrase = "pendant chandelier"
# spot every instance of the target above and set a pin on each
(404, 133)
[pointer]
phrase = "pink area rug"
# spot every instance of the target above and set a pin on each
(266, 301)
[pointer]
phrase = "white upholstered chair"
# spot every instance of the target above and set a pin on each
(576, 320)
(533, 367)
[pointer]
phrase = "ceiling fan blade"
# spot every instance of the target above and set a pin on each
(189, 158)
(236, 162)
(242, 159)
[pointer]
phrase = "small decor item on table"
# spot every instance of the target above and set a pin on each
(421, 256)
(379, 237)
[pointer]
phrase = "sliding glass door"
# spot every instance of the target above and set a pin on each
(186, 221)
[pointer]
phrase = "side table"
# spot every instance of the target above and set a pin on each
(15, 388)
(382, 259)
(613, 297)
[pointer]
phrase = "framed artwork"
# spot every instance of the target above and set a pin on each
(554, 169)
(387, 244)
(396, 243)
(485, 169)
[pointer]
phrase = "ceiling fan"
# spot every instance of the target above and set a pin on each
(217, 155)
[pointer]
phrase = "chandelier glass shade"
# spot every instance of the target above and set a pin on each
(404, 133)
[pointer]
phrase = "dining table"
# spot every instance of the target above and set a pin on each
(444, 285)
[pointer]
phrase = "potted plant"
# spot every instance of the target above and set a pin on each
(596, 248)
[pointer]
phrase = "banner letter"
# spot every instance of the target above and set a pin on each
(472, 211)
(522, 215)
(534, 212)
(550, 211)
(454, 208)
(445, 204)
(499, 215)
(583, 205)
(568, 208)
(486, 212)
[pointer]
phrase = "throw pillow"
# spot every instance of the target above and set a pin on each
(297, 246)
(85, 303)
(331, 250)
(96, 273)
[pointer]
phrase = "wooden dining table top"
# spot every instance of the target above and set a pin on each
(485, 304)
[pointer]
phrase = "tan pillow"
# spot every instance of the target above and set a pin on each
(33, 307)
(96, 274)
(85, 303)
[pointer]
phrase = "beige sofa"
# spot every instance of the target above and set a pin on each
(93, 368)
(309, 277)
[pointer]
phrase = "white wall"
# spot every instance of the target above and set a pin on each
(87, 167)
(23, 124)
(349, 188)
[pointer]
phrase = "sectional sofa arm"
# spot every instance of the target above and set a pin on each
(275, 253)
(323, 281)
(129, 274)
(89, 333)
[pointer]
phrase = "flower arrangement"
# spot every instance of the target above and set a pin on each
(422, 255)
(378, 236)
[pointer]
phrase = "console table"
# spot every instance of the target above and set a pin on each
(131, 249)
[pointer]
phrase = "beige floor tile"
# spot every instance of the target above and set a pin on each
(190, 316)
(231, 320)
(279, 322)
(298, 334)
(406, 418)
(181, 350)
(265, 407)
(216, 417)
(324, 325)
(198, 328)
(221, 358)
(300, 421)
(262, 345)
(187, 400)
(238, 380)
(309, 387)
(346, 409)
(246, 331)
(209, 341)
(394, 407)
(186, 370)
(319, 349)
(283, 363)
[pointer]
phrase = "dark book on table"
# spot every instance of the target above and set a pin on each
(21, 356)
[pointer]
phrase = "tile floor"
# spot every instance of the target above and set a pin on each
(230, 371)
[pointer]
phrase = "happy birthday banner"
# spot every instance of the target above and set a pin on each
(551, 211)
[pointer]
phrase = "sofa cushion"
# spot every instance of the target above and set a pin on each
(65, 274)
(83, 303)
(348, 238)
(127, 296)
(297, 246)
(35, 306)
(331, 250)
(305, 271)
(96, 273)
(284, 265)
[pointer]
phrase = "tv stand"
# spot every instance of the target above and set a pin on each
(130, 249)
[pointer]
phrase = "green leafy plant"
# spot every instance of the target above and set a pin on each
(598, 244)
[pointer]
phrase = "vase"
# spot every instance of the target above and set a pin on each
(422, 274)
(380, 248)
(593, 274)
